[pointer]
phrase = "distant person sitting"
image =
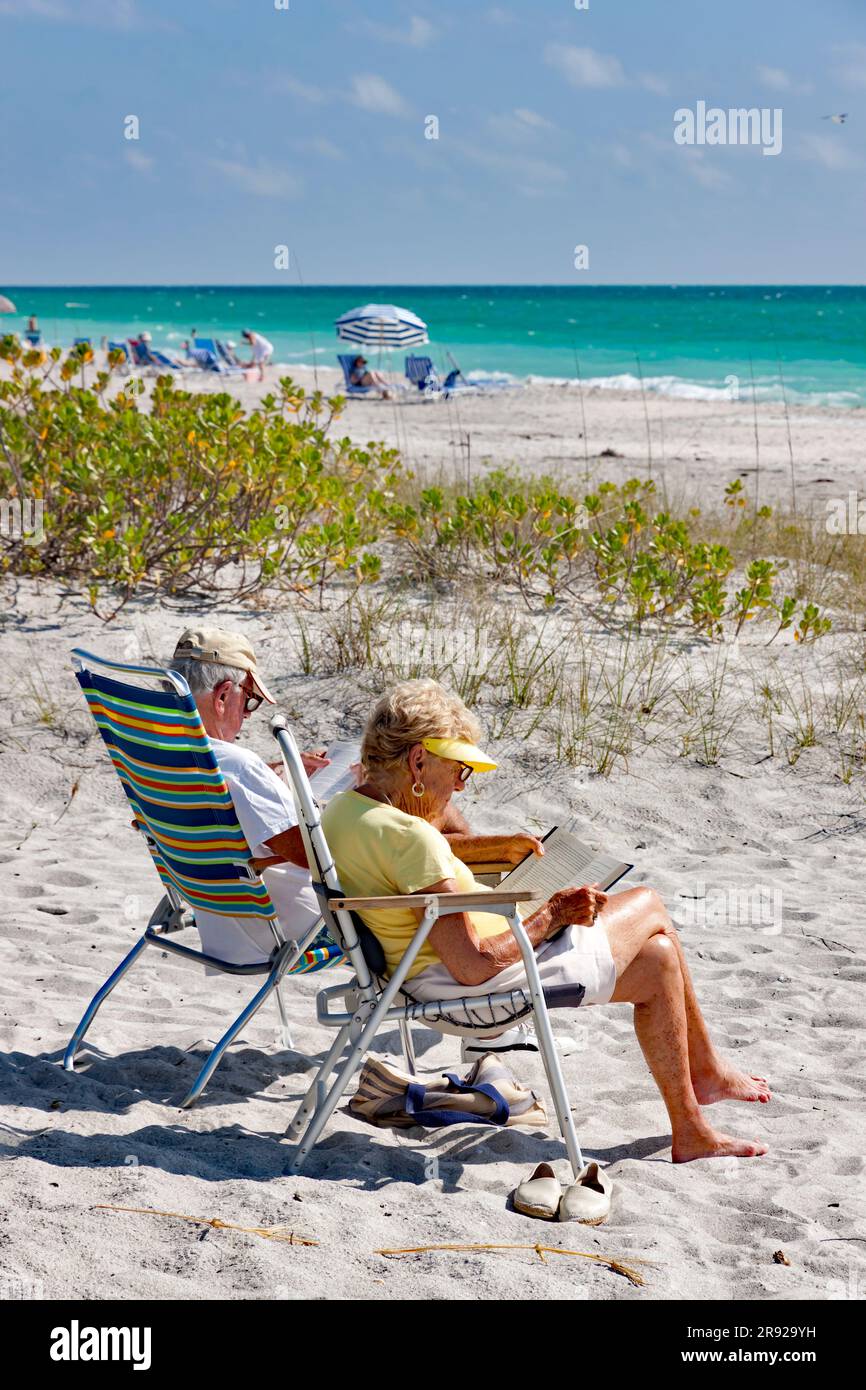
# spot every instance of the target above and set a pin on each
(262, 351)
(360, 375)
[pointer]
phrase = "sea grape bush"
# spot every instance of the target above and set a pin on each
(193, 492)
(196, 492)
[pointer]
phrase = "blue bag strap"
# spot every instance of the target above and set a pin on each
(416, 1092)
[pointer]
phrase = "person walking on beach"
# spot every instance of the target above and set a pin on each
(262, 350)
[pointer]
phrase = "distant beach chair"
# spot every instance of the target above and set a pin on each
(421, 373)
(182, 806)
(347, 362)
(206, 353)
(370, 1001)
(140, 354)
(228, 356)
(162, 359)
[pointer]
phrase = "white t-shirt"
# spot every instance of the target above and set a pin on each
(261, 349)
(264, 808)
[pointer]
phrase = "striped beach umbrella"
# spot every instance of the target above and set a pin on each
(6, 305)
(382, 326)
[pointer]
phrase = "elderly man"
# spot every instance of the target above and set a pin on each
(220, 669)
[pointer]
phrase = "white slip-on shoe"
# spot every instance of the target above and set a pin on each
(587, 1199)
(539, 1195)
(521, 1038)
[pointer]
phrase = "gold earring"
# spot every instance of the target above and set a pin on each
(418, 789)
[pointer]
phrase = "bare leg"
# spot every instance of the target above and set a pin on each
(630, 918)
(649, 976)
(712, 1077)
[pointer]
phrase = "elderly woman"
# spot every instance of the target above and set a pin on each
(419, 748)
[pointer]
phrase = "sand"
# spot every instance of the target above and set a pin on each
(783, 995)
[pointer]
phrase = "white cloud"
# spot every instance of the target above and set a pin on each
(702, 170)
(136, 159)
(852, 63)
(319, 145)
(305, 90)
(528, 175)
(657, 85)
(373, 93)
(776, 78)
(521, 125)
(584, 67)
(418, 35)
(262, 180)
(532, 118)
(621, 155)
(689, 159)
(97, 14)
(829, 151)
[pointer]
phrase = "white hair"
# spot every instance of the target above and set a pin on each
(204, 676)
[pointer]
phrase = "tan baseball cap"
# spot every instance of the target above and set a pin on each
(226, 648)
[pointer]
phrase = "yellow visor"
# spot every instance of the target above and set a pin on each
(460, 752)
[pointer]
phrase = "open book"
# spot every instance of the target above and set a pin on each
(337, 776)
(566, 863)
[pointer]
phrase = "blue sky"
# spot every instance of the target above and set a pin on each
(305, 127)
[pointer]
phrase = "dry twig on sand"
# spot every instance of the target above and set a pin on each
(617, 1266)
(266, 1232)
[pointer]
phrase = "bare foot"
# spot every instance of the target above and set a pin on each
(729, 1084)
(710, 1143)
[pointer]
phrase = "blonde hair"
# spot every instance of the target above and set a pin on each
(408, 713)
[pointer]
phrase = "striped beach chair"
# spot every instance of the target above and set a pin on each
(182, 806)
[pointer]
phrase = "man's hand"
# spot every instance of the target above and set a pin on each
(313, 763)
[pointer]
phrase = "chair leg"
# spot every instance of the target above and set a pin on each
(228, 1037)
(316, 1093)
(360, 1039)
(408, 1047)
(285, 1033)
(98, 999)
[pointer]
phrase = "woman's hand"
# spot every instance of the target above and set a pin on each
(516, 847)
(576, 907)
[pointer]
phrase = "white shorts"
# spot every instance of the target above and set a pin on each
(580, 957)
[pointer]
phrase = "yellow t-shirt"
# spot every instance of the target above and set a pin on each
(379, 850)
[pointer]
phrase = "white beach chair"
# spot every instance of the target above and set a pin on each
(369, 1000)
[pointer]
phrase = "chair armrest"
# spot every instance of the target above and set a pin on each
(454, 902)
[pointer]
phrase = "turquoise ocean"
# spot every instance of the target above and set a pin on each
(685, 341)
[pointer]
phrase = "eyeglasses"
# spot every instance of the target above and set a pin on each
(465, 770)
(251, 699)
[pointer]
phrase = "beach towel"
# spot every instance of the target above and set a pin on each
(487, 1095)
